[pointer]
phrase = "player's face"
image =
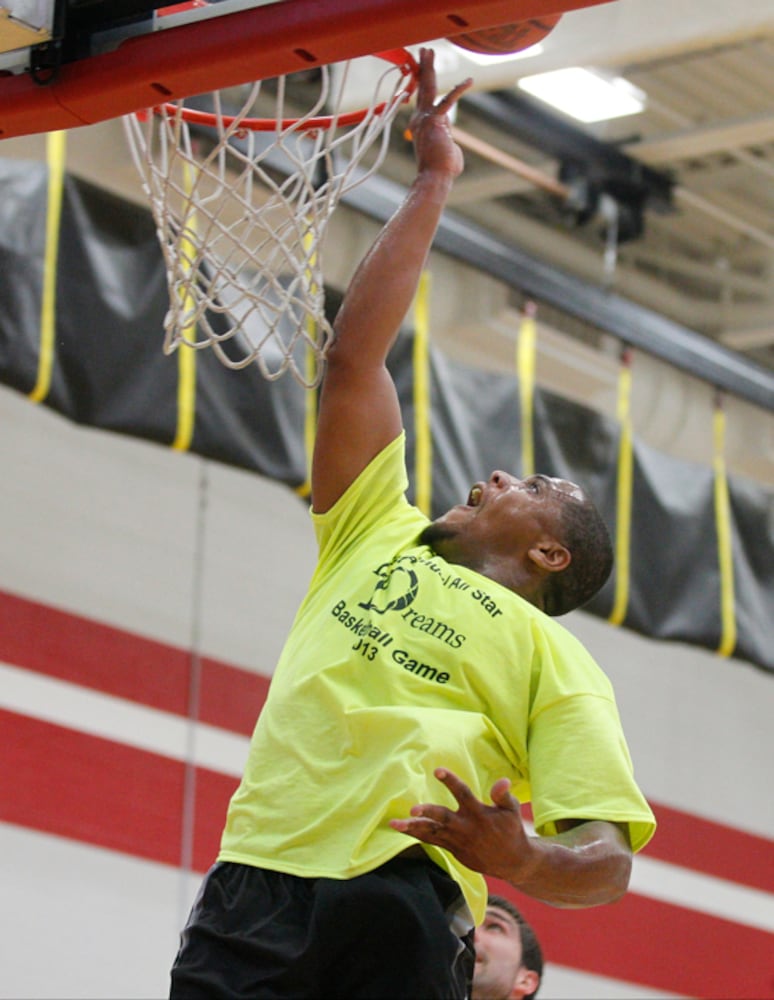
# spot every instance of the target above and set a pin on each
(503, 514)
(498, 957)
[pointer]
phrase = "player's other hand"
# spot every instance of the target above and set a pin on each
(485, 838)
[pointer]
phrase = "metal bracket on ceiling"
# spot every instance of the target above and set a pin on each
(590, 169)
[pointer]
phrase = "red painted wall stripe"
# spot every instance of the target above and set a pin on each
(714, 848)
(70, 784)
(126, 665)
(666, 947)
(86, 788)
(83, 651)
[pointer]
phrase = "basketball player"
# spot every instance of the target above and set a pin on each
(422, 689)
(509, 960)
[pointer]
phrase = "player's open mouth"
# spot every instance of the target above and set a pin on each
(474, 497)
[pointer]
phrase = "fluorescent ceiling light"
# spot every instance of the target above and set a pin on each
(585, 94)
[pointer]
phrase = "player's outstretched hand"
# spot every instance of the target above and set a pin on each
(487, 839)
(429, 126)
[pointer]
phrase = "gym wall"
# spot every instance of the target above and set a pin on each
(145, 593)
(144, 598)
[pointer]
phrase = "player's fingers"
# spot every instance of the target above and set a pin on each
(457, 787)
(501, 795)
(427, 90)
(419, 827)
(447, 103)
(438, 815)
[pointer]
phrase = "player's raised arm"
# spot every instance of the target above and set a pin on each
(359, 410)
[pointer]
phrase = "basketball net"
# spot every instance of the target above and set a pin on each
(241, 205)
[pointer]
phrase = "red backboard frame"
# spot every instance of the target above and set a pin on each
(231, 49)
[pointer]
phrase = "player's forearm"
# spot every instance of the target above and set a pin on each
(585, 866)
(383, 287)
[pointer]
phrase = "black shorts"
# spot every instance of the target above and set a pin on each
(260, 934)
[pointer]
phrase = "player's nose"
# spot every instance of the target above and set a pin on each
(502, 479)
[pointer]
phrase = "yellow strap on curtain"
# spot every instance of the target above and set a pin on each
(310, 416)
(424, 448)
(723, 529)
(525, 368)
(186, 356)
(56, 147)
(623, 516)
(310, 397)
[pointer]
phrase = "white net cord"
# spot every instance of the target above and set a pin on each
(241, 217)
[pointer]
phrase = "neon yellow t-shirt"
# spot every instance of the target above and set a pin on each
(397, 663)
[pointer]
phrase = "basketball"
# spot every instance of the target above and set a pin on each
(507, 38)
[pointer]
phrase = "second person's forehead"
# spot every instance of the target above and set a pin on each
(500, 916)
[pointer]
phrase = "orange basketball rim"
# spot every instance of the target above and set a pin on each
(181, 58)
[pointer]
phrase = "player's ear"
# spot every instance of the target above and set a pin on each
(527, 981)
(550, 555)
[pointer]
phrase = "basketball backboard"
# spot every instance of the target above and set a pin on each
(65, 63)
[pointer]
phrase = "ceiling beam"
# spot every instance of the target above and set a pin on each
(472, 188)
(718, 273)
(604, 165)
(643, 328)
(729, 219)
(557, 246)
(691, 143)
(512, 164)
(747, 340)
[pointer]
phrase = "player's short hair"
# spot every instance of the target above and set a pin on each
(585, 534)
(531, 952)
